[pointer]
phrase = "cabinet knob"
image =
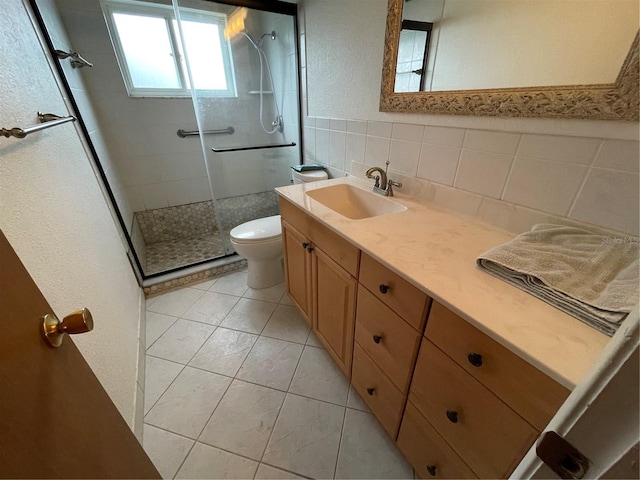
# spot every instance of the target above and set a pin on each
(432, 470)
(310, 249)
(452, 415)
(377, 338)
(383, 288)
(371, 391)
(475, 359)
(305, 244)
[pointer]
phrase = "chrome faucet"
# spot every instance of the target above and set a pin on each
(383, 185)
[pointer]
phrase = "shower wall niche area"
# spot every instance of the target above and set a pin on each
(177, 198)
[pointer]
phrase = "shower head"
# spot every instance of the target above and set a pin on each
(272, 35)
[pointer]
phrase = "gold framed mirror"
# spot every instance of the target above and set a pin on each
(608, 101)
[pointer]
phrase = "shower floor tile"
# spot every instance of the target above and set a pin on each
(170, 254)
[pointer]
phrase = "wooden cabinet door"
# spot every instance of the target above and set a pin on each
(297, 269)
(334, 305)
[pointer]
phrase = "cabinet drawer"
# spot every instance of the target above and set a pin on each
(427, 451)
(489, 436)
(378, 392)
(531, 393)
(402, 297)
(339, 249)
(390, 342)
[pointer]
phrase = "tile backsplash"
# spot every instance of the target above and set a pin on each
(585, 179)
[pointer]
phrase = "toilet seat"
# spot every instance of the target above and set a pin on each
(258, 231)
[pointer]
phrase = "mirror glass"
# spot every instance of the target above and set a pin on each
(474, 45)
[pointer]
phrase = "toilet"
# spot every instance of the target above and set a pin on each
(260, 241)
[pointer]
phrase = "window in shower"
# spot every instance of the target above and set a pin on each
(147, 44)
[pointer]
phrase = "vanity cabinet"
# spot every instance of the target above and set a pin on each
(390, 318)
(457, 403)
(321, 270)
(486, 403)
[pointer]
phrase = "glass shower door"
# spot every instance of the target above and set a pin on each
(254, 55)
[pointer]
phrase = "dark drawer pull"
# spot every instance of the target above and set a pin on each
(432, 470)
(383, 288)
(377, 338)
(475, 359)
(452, 416)
(305, 245)
(371, 391)
(310, 249)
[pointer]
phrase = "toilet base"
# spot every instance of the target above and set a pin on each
(264, 273)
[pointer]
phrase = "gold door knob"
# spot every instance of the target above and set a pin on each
(53, 329)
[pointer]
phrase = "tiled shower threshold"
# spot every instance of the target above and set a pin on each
(170, 254)
(191, 275)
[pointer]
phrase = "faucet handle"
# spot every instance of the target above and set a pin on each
(390, 186)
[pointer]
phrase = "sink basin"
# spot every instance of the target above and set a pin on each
(353, 202)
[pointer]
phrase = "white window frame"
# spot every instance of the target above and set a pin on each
(110, 7)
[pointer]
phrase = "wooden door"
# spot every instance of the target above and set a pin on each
(297, 269)
(334, 306)
(56, 420)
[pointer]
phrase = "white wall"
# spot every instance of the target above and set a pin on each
(581, 169)
(55, 216)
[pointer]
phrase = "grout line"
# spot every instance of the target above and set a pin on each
(344, 418)
(513, 162)
(455, 175)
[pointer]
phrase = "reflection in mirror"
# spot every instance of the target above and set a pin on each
(413, 53)
(572, 64)
(506, 44)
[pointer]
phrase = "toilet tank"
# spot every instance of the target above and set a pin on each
(308, 176)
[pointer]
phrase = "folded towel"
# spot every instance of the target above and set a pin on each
(590, 276)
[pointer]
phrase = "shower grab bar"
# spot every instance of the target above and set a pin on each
(184, 133)
(253, 147)
(47, 120)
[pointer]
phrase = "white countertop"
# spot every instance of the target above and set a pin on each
(436, 250)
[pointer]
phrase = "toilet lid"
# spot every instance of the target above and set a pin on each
(256, 230)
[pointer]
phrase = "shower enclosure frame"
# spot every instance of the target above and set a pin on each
(273, 6)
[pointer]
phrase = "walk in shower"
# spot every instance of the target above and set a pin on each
(191, 108)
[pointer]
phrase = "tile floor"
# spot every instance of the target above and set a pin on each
(238, 387)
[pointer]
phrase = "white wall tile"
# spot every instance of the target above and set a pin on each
(376, 151)
(619, 154)
(609, 198)
(338, 124)
(452, 137)
(562, 149)
(404, 156)
(488, 141)
(337, 149)
(153, 196)
(310, 121)
(438, 163)
(309, 153)
(355, 149)
(544, 185)
(322, 146)
(322, 122)
(483, 172)
(405, 131)
(357, 126)
(379, 129)
(178, 192)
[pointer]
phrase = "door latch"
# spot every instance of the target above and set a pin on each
(561, 457)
